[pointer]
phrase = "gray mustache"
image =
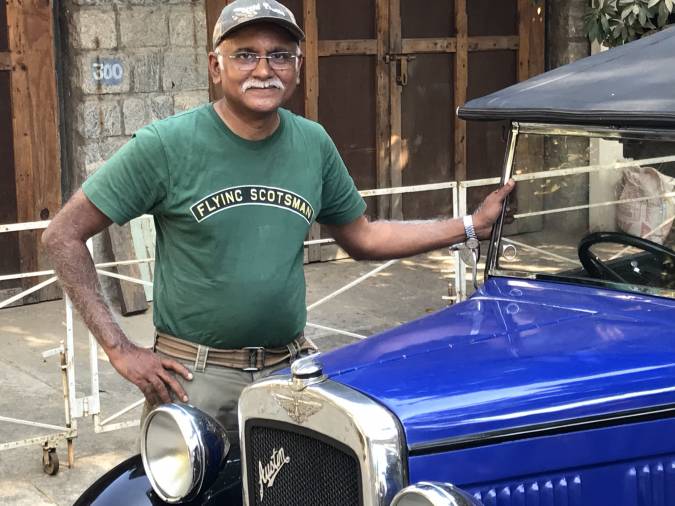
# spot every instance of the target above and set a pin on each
(274, 82)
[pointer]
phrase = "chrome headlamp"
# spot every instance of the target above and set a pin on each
(434, 494)
(182, 450)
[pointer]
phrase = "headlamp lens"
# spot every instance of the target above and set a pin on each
(168, 456)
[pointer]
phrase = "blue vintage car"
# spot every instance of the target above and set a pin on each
(553, 384)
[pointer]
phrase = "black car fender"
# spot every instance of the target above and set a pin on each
(128, 484)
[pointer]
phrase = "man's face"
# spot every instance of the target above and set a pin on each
(260, 90)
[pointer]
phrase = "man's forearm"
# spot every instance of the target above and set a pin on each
(398, 239)
(77, 273)
(382, 240)
(65, 241)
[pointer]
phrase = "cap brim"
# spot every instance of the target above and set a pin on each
(293, 29)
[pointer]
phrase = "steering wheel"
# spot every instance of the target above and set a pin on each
(599, 269)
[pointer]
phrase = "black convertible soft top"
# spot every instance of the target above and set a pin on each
(632, 85)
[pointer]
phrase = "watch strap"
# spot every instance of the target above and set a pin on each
(468, 227)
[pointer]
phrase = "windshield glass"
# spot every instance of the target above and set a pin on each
(593, 210)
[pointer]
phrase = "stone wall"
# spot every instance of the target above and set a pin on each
(126, 63)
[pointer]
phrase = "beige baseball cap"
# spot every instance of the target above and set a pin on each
(246, 12)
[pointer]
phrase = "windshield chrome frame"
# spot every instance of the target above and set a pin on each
(590, 131)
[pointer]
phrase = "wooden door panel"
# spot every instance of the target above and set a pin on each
(36, 146)
(4, 40)
(427, 103)
(486, 140)
(346, 19)
(9, 244)
(490, 18)
(297, 102)
(488, 71)
(347, 85)
(427, 130)
(347, 111)
(428, 19)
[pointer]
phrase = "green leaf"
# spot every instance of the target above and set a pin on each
(663, 17)
(616, 22)
(594, 34)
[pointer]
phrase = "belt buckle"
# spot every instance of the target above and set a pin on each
(253, 358)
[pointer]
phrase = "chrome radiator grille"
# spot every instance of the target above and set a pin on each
(292, 466)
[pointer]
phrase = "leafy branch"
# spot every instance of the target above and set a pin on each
(615, 22)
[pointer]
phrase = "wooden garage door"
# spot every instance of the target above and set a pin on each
(386, 76)
(9, 244)
(30, 168)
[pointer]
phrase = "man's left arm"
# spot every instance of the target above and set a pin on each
(381, 240)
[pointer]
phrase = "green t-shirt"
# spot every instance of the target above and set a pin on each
(231, 216)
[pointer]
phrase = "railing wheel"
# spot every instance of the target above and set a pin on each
(50, 461)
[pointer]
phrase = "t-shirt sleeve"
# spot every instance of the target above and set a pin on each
(134, 181)
(340, 200)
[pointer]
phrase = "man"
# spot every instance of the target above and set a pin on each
(234, 187)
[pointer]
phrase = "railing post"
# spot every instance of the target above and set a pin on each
(460, 270)
(94, 407)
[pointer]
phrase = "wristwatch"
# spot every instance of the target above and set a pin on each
(472, 243)
(471, 237)
(469, 250)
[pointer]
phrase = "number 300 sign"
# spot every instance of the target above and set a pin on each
(108, 71)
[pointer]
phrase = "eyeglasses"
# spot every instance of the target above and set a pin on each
(279, 60)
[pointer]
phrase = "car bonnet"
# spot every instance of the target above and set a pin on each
(518, 354)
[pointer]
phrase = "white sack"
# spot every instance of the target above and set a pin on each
(650, 219)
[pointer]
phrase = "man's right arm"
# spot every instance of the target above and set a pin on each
(65, 240)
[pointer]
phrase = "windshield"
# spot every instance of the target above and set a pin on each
(592, 209)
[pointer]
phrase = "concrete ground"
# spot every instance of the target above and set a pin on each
(32, 390)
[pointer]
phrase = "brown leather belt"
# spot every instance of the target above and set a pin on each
(250, 359)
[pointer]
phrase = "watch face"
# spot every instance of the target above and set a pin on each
(472, 243)
(469, 252)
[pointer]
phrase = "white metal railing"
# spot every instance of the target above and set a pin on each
(68, 431)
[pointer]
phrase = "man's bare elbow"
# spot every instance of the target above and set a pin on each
(59, 237)
(74, 225)
(52, 239)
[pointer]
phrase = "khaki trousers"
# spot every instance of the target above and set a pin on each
(216, 391)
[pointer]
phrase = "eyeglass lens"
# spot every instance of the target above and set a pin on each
(277, 61)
